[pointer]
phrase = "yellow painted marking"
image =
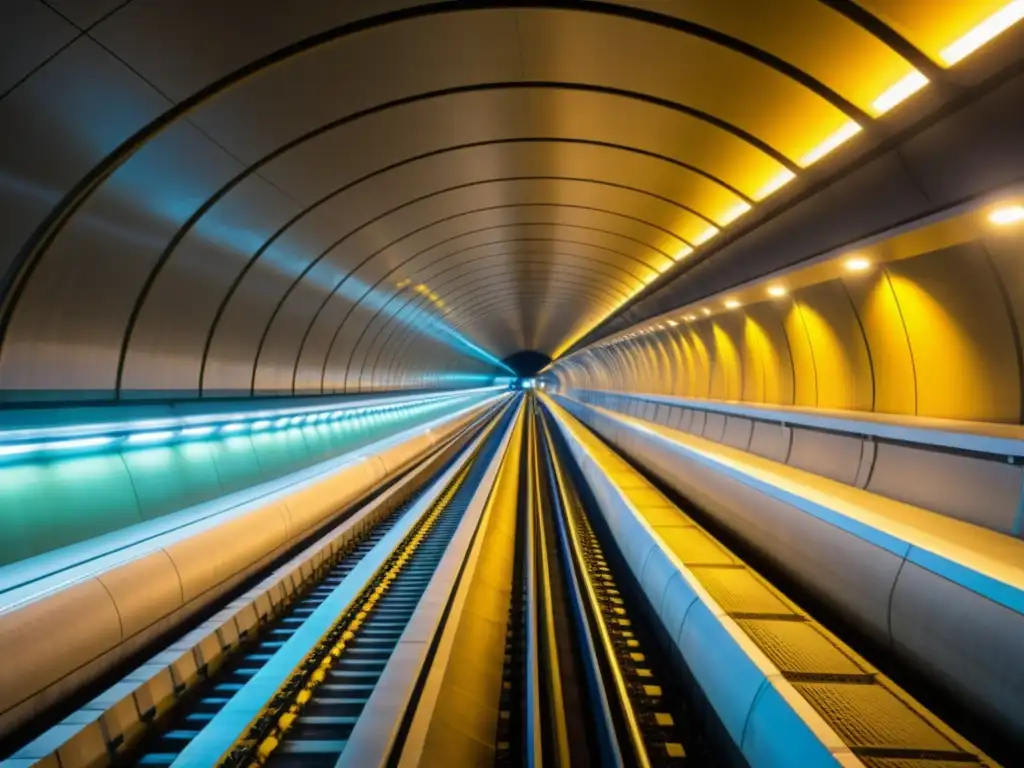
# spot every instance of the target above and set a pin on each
(674, 749)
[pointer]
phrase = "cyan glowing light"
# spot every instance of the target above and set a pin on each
(149, 438)
(128, 434)
(19, 449)
(79, 444)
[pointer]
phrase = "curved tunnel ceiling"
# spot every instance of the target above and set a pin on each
(256, 197)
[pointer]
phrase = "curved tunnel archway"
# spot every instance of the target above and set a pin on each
(753, 240)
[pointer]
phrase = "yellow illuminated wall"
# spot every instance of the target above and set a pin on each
(936, 335)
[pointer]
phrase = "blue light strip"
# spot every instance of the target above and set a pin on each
(21, 444)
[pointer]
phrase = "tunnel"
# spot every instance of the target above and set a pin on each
(567, 383)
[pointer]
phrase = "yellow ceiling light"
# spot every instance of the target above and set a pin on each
(683, 252)
(846, 131)
(690, 318)
(776, 291)
(1006, 215)
(734, 213)
(899, 92)
(856, 264)
(404, 284)
(672, 323)
(779, 180)
(731, 304)
(991, 27)
(706, 235)
(706, 311)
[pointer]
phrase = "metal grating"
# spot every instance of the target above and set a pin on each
(737, 590)
(799, 648)
(871, 716)
(694, 547)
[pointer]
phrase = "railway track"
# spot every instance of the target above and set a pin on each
(351, 672)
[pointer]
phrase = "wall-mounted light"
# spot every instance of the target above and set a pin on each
(734, 213)
(994, 25)
(706, 311)
(682, 253)
(150, 438)
(1006, 215)
(731, 304)
(778, 181)
(901, 91)
(776, 291)
(846, 131)
(706, 235)
(856, 264)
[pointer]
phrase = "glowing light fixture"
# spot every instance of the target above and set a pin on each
(191, 432)
(776, 291)
(235, 427)
(80, 443)
(781, 179)
(148, 438)
(899, 92)
(734, 213)
(19, 449)
(846, 131)
(856, 264)
(1006, 215)
(706, 235)
(991, 27)
(690, 318)
(706, 311)
(77, 444)
(683, 252)
(731, 304)
(672, 323)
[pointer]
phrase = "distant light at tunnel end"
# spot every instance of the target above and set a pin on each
(1006, 215)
